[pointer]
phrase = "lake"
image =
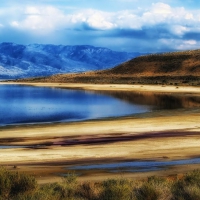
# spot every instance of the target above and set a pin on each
(27, 104)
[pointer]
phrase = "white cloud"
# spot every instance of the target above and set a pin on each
(127, 19)
(14, 24)
(30, 10)
(40, 19)
(190, 42)
(168, 25)
(45, 19)
(99, 20)
(178, 29)
(93, 18)
(161, 9)
(179, 44)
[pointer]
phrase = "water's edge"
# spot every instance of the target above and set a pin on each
(135, 166)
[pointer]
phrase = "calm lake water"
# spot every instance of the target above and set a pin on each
(26, 104)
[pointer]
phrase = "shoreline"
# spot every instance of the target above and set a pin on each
(115, 87)
(125, 138)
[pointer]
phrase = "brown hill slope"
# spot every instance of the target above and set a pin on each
(173, 64)
(169, 68)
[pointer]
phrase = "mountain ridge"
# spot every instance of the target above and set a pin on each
(21, 61)
(166, 68)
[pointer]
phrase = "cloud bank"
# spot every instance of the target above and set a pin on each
(158, 27)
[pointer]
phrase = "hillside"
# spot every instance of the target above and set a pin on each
(21, 61)
(169, 64)
(169, 68)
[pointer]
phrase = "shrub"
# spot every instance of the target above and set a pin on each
(116, 189)
(5, 183)
(68, 188)
(187, 188)
(22, 183)
(153, 189)
(15, 183)
(147, 192)
(193, 177)
(19, 186)
(89, 191)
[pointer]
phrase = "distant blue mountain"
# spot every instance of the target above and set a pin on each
(20, 61)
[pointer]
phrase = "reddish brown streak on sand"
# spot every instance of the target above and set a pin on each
(111, 139)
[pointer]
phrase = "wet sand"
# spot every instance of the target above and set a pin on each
(160, 135)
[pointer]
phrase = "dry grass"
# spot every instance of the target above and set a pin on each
(154, 188)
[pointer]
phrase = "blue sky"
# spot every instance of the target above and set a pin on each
(122, 25)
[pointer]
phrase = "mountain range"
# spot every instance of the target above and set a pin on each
(22, 61)
(171, 68)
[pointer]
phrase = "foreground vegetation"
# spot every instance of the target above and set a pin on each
(20, 186)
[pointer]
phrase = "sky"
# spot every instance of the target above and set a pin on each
(122, 25)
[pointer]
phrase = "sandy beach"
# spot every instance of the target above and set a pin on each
(46, 150)
(117, 87)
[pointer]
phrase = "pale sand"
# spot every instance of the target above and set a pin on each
(114, 87)
(174, 146)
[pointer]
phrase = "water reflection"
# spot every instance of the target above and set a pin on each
(157, 100)
(24, 104)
